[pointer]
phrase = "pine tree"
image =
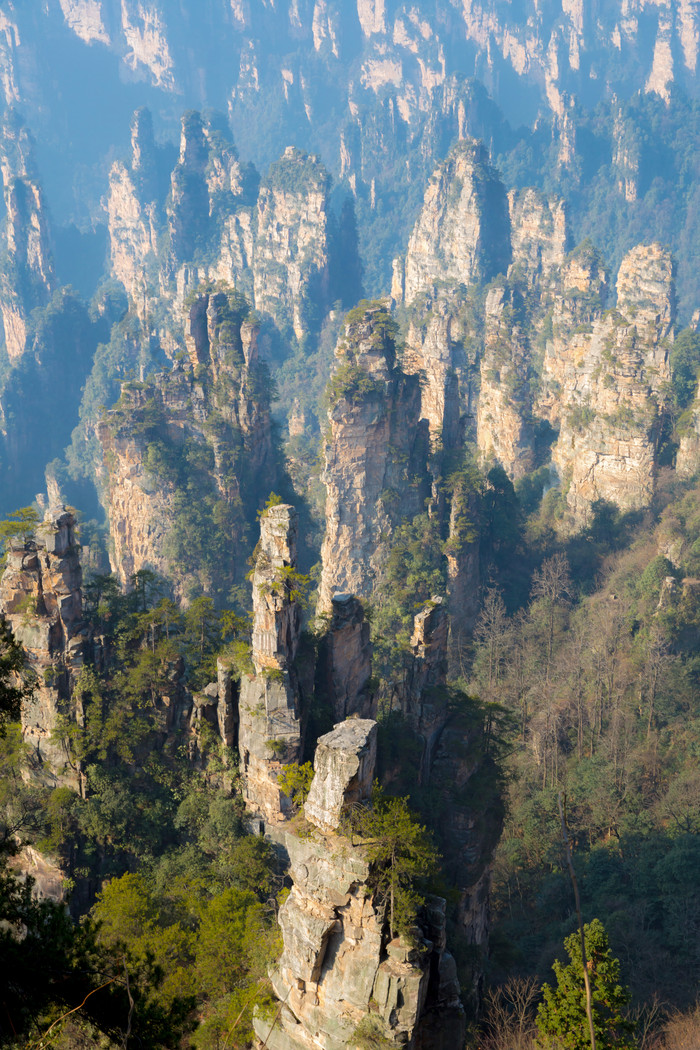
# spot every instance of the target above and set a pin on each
(561, 1018)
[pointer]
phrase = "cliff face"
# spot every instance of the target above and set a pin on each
(41, 598)
(270, 240)
(270, 731)
(535, 359)
(339, 965)
(291, 259)
(404, 61)
(374, 457)
(132, 210)
(607, 380)
(189, 452)
(29, 280)
(464, 194)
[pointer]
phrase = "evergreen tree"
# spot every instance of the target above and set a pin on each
(561, 1018)
(400, 851)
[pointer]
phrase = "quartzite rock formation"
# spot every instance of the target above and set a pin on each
(343, 771)
(215, 408)
(338, 964)
(269, 239)
(269, 706)
(462, 233)
(41, 599)
(344, 665)
(375, 454)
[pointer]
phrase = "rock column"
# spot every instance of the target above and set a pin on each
(270, 726)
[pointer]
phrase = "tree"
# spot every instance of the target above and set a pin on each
(21, 523)
(562, 1019)
(12, 689)
(400, 851)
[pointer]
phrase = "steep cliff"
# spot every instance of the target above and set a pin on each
(270, 729)
(375, 453)
(340, 972)
(132, 210)
(534, 357)
(271, 240)
(465, 195)
(28, 277)
(188, 454)
(607, 381)
(41, 599)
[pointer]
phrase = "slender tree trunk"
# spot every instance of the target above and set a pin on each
(574, 883)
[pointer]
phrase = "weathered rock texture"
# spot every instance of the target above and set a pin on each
(270, 240)
(462, 233)
(41, 599)
(343, 771)
(190, 443)
(606, 380)
(29, 279)
(423, 698)
(338, 964)
(270, 731)
(375, 454)
(536, 361)
(344, 664)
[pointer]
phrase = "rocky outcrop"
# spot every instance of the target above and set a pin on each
(344, 666)
(41, 599)
(540, 236)
(270, 731)
(375, 454)
(463, 232)
(339, 968)
(439, 348)
(606, 381)
(270, 240)
(343, 771)
(132, 210)
(504, 416)
(213, 411)
(423, 699)
(291, 260)
(29, 279)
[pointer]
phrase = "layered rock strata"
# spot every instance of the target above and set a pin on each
(536, 360)
(606, 382)
(462, 233)
(338, 965)
(375, 454)
(29, 280)
(270, 730)
(213, 410)
(269, 239)
(41, 599)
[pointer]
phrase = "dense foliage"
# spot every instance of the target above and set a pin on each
(177, 944)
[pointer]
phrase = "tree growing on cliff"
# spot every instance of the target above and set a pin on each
(12, 689)
(400, 851)
(562, 1020)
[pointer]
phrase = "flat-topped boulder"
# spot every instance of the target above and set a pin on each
(343, 771)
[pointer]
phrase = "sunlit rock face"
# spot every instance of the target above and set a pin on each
(374, 455)
(606, 380)
(269, 703)
(343, 771)
(172, 412)
(463, 232)
(28, 278)
(338, 963)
